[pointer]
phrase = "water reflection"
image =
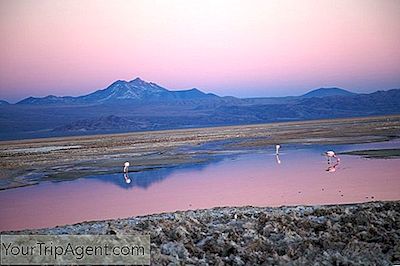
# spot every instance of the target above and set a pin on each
(332, 168)
(251, 179)
(278, 160)
(127, 179)
(147, 177)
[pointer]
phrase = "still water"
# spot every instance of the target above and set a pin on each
(300, 175)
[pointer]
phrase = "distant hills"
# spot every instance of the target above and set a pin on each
(324, 92)
(137, 105)
(2, 102)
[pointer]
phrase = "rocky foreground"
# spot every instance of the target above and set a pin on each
(355, 234)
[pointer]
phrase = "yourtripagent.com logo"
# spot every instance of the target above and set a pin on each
(75, 249)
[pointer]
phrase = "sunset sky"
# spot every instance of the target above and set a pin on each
(239, 48)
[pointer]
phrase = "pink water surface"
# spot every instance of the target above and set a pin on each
(253, 179)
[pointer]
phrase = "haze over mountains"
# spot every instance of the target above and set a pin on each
(324, 92)
(135, 105)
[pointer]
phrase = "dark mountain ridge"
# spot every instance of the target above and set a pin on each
(136, 105)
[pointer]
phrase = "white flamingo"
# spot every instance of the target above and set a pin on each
(126, 165)
(331, 154)
(277, 147)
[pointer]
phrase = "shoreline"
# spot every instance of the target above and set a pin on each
(360, 233)
(29, 162)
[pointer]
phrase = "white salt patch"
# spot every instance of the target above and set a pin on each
(45, 149)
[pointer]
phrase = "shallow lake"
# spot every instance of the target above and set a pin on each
(298, 176)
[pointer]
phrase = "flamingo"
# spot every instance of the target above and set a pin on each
(126, 165)
(331, 154)
(277, 147)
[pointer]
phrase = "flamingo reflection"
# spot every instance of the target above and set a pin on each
(127, 179)
(332, 168)
(278, 161)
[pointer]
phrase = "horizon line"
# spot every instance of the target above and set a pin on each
(151, 82)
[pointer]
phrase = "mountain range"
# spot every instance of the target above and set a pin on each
(137, 105)
(134, 90)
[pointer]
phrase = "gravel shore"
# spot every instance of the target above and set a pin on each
(353, 234)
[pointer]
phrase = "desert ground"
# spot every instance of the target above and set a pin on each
(27, 162)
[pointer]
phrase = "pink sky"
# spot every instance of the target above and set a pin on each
(240, 48)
